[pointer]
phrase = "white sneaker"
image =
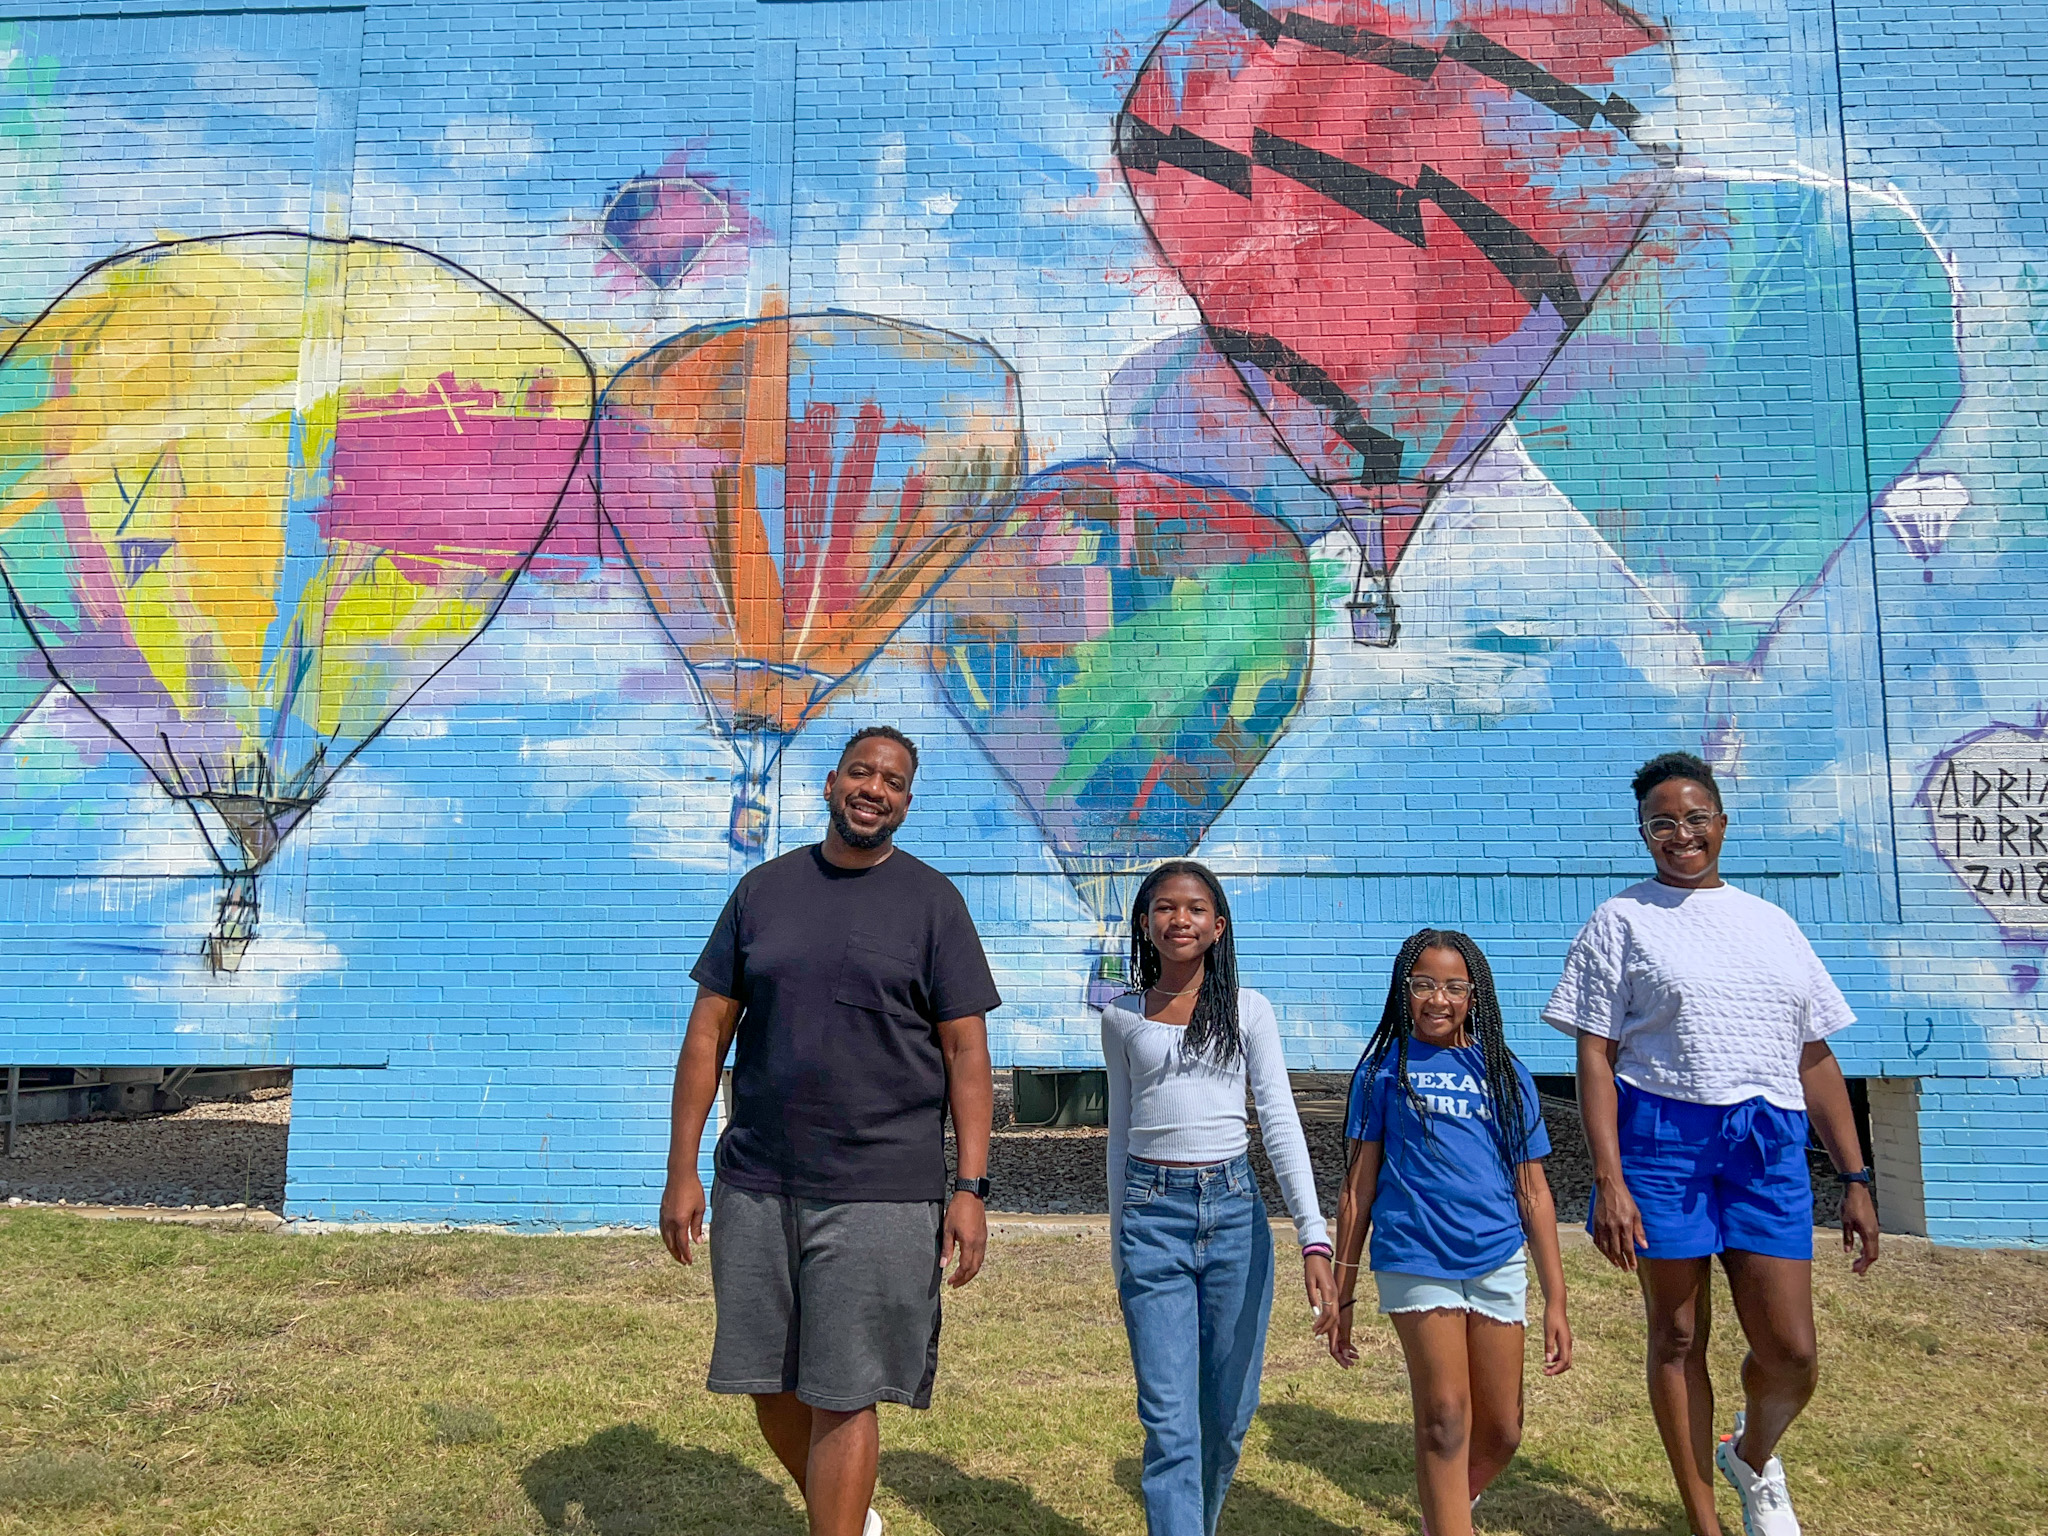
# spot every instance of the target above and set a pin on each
(1766, 1503)
(873, 1526)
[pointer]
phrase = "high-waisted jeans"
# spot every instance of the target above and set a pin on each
(1195, 1247)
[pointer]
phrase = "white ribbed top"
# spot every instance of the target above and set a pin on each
(1168, 1107)
(1712, 993)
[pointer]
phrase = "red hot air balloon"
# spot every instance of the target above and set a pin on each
(1391, 216)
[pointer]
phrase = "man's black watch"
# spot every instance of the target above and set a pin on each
(975, 1187)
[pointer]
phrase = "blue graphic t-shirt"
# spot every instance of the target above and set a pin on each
(1445, 1207)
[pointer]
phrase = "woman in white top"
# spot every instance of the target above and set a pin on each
(1702, 1014)
(1189, 1236)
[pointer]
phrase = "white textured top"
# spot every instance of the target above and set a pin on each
(1712, 993)
(1166, 1106)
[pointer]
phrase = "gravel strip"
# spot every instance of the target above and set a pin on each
(219, 1154)
(230, 1154)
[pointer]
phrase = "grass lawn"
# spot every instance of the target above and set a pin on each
(159, 1379)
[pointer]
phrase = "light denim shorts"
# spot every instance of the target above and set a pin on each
(1501, 1294)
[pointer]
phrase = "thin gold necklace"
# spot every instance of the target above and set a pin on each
(1171, 995)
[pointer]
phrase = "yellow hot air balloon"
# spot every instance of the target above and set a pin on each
(256, 490)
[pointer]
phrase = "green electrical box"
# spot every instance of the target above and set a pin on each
(1049, 1098)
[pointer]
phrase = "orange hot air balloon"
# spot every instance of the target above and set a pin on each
(789, 490)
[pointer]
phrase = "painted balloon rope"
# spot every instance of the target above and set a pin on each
(1465, 45)
(259, 814)
(1107, 888)
(244, 812)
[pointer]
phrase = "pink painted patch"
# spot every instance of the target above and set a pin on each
(450, 477)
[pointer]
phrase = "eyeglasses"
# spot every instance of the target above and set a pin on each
(1424, 986)
(1662, 829)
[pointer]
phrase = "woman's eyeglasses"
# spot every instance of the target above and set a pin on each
(1662, 829)
(1423, 986)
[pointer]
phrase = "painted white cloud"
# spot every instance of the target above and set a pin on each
(366, 807)
(555, 644)
(675, 778)
(236, 82)
(137, 181)
(490, 146)
(250, 1004)
(1065, 331)
(1503, 553)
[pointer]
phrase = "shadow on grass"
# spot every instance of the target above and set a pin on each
(628, 1481)
(1375, 1464)
(956, 1504)
(1248, 1509)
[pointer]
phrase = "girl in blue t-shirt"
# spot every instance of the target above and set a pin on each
(1446, 1134)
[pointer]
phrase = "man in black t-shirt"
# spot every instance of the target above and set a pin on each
(857, 988)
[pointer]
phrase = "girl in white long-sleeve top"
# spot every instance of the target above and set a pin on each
(1189, 1235)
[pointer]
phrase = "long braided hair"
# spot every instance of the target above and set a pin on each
(1213, 1029)
(1506, 1110)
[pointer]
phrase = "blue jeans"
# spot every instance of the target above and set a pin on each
(1195, 1244)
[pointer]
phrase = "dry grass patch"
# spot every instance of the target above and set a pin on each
(157, 1380)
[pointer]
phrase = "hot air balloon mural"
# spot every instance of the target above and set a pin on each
(1179, 407)
(788, 491)
(661, 226)
(673, 225)
(1391, 215)
(1698, 418)
(1125, 648)
(255, 491)
(24, 679)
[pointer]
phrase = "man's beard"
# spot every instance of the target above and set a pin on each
(853, 837)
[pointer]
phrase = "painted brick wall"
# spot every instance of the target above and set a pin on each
(403, 725)
(1984, 1152)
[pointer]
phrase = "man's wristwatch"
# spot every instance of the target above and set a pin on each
(975, 1187)
(1860, 1176)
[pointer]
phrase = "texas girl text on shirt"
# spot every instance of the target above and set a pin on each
(1452, 1093)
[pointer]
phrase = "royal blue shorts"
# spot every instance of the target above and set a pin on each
(1709, 1177)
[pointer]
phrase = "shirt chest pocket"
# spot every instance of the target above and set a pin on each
(880, 972)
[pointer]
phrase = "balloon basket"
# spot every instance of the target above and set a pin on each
(747, 831)
(1109, 978)
(753, 815)
(234, 926)
(1373, 619)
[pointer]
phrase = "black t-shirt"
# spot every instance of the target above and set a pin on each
(838, 1082)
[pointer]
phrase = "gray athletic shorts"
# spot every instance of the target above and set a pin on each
(836, 1301)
